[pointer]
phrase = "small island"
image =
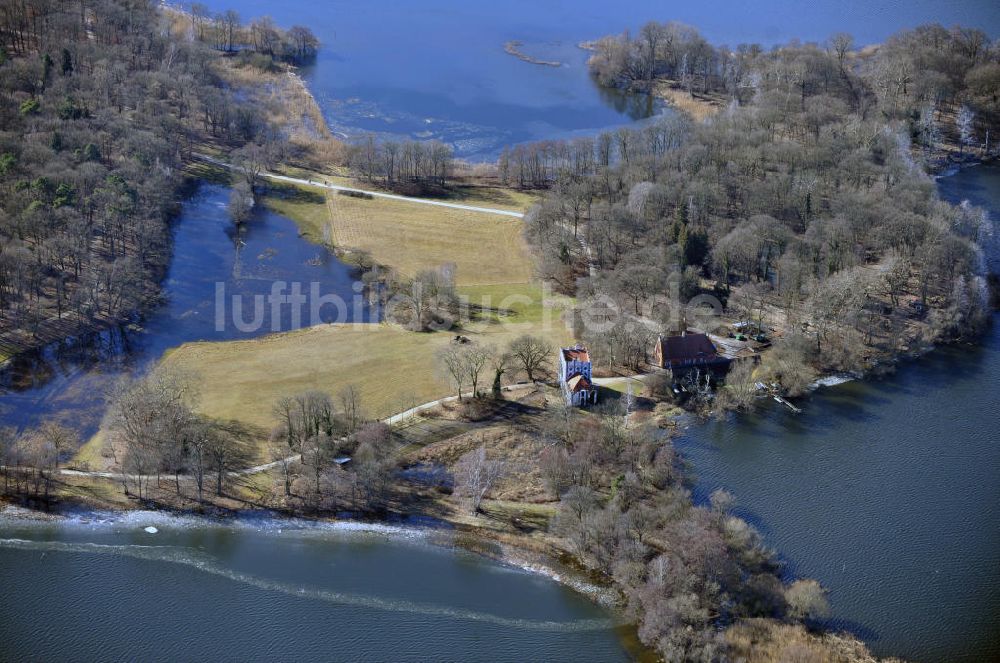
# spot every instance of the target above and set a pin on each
(513, 47)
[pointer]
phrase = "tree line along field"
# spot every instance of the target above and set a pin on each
(804, 204)
(392, 368)
(483, 248)
(468, 184)
(100, 110)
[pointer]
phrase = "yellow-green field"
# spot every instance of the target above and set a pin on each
(89, 456)
(306, 206)
(392, 368)
(480, 195)
(484, 248)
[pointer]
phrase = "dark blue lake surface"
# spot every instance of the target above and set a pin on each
(885, 490)
(437, 68)
(68, 381)
(98, 590)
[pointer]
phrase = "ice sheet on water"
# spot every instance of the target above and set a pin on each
(263, 522)
(834, 380)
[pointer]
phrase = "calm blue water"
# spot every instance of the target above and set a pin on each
(887, 491)
(437, 69)
(68, 381)
(89, 591)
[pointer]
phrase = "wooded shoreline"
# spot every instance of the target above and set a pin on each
(708, 208)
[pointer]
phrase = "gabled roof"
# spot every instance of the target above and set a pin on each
(579, 383)
(576, 353)
(685, 347)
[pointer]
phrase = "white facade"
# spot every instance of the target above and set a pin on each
(576, 366)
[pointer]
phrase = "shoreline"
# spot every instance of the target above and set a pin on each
(531, 555)
(315, 112)
(438, 532)
(10, 352)
(942, 169)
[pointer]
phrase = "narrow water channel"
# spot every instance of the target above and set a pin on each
(68, 381)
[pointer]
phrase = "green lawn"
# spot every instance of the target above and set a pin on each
(306, 206)
(392, 368)
(484, 248)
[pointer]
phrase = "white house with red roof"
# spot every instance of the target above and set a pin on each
(575, 376)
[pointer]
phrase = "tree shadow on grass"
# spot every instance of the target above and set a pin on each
(295, 194)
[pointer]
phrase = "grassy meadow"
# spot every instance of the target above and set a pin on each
(484, 248)
(465, 191)
(392, 368)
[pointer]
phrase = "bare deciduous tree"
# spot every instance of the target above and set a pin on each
(841, 44)
(532, 353)
(374, 463)
(228, 445)
(500, 363)
(476, 359)
(476, 474)
(350, 407)
(739, 392)
(241, 202)
(61, 438)
(807, 600)
(281, 453)
(149, 416)
(451, 359)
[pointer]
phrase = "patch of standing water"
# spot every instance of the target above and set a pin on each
(213, 266)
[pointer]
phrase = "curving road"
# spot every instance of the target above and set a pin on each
(396, 418)
(375, 194)
(391, 420)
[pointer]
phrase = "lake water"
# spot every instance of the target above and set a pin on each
(887, 491)
(87, 591)
(437, 68)
(68, 381)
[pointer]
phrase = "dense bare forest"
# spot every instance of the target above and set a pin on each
(909, 77)
(804, 204)
(411, 167)
(260, 39)
(101, 108)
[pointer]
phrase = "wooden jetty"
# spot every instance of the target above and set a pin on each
(784, 401)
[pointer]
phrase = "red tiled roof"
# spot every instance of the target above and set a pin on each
(579, 353)
(579, 383)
